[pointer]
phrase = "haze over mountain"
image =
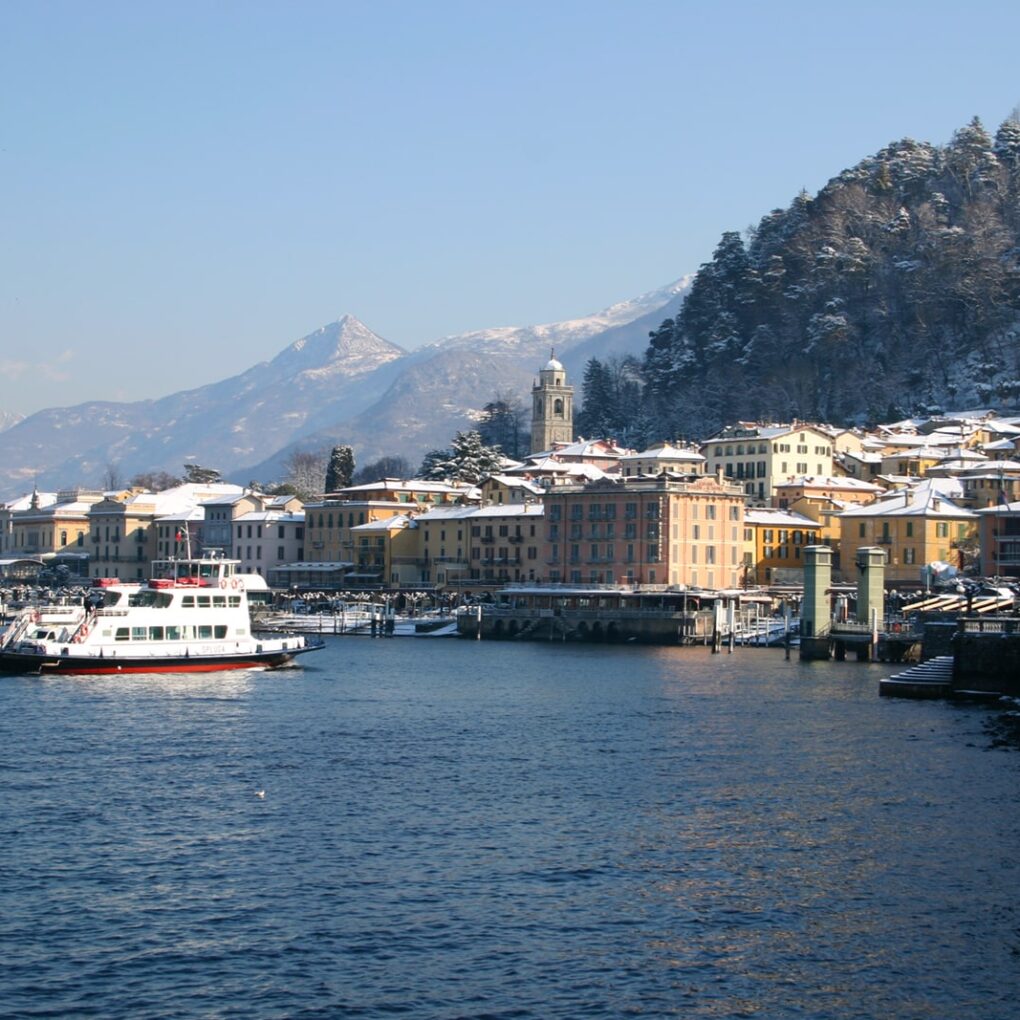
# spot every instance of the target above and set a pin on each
(9, 418)
(342, 383)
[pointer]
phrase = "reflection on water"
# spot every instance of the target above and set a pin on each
(461, 829)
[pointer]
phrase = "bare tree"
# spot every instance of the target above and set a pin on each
(306, 472)
(112, 477)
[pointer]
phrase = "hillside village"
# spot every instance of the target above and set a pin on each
(941, 495)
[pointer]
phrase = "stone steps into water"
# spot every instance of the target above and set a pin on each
(931, 679)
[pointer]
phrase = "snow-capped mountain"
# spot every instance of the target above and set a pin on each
(9, 418)
(341, 383)
(562, 335)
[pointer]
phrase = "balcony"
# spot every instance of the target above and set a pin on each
(516, 539)
(488, 539)
(884, 540)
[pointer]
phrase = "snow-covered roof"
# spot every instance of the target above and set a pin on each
(1001, 508)
(509, 510)
(384, 524)
(399, 485)
(923, 500)
(194, 513)
(515, 482)
(445, 513)
(551, 466)
(182, 497)
(491, 510)
(664, 452)
(45, 499)
(778, 518)
(270, 516)
(844, 482)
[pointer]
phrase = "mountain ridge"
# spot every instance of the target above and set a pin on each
(332, 382)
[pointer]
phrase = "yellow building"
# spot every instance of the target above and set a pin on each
(760, 457)
(503, 489)
(54, 529)
(773, 544)
(379, 548)
(329, 523)
(916, 526)
(123, 532)
(847, 490)
(477, 546)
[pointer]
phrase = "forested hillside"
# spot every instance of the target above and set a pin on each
(896, 289)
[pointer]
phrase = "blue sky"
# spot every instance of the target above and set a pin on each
(189, 187)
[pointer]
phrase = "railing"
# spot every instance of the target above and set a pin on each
(994, 625)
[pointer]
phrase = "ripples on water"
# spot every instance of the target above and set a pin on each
(456, 829)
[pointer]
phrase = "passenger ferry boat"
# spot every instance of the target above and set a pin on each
(191, 617)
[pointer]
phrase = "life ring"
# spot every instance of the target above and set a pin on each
(223, 582)
(234, 583)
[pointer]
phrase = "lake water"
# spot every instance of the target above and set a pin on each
(464, 829)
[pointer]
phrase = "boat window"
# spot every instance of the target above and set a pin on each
(110, 599)
(204, 632)
(173, 633)
(138, 633)
(203, 602)
(235, 601)
(155, 633)
(188, 601)
(219, 601)
(122, 634)
(221, 632)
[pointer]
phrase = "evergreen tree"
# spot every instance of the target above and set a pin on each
(503, 423)
(468, 460)
(384, 467)
(596, 410)
(341, 468)
(196, 474)
(897, 284)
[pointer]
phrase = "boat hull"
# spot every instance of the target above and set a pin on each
(31, 662)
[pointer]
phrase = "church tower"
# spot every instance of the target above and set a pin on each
(552, 408)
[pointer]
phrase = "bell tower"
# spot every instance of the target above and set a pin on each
(552, 407)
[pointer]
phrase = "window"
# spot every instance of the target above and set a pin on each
(279, 552)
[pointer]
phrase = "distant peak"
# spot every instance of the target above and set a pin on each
(346, 343)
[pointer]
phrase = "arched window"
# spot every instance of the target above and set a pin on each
(558, 407)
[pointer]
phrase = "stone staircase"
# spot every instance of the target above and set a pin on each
(931, 679)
